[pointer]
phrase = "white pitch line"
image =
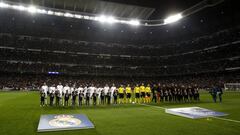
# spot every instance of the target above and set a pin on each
(153, 106)
(224, 119)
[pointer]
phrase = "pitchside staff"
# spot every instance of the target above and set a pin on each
(91, 95)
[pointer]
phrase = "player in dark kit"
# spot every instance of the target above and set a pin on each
(74, 97)
(88, 98)
(58, 97)
(170, 95)
(51, 98)
(179, 95)
(185, 95)
(165, 95)
(115, 95)
(190, 92)
(94, 96)
(109, 97)
(154, 95)
(102, 96)
(158, 92)
(42, 98)
(80, 98)
(161, 96)
(66, 98)
(196, 94)
(175, 89)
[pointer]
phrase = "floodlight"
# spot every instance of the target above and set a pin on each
(78, 16)
(107, 19)
(41, 11)
(49, 12)
(173, 18)
(102, 18)
(86, 17)
(134, 22)
(58, 13)
(110, 19)
(19, 7)
(4, 5)
(32, 9)
(68, 15)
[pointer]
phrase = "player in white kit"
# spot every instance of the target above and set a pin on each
(60, 89)
(106, 89)
(52, 90)
(112, 89)
(44, 88)
(66, 89)
(99, 89)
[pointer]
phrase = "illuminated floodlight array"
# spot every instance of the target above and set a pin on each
(173, 18)
(31, 9)
(4, 5)
(103, 19)
(107, 19)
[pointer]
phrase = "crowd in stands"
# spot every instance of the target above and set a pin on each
(53, 44)
(30, 54)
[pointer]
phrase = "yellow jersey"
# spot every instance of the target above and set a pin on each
(137, 90)
(148, 89)
(128, 90)
(120, 90)
(142, 89)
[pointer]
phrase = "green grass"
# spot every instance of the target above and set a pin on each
(20, 113)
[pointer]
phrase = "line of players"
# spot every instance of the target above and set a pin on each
(62, 95)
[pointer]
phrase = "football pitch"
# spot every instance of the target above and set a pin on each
(20, 113)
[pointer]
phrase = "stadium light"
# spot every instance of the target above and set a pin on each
(68, 15)
(111, 19)
(78, 16)
(58, 13)
(101, 18)
(49, 12)
(134, 22)
(107, 19)
(39, 10)
(19, 7)
(4, 5)
(173, 18)
(32, 9)
(86, 17)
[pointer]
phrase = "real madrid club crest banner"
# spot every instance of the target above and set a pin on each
(194, 112)
(63, 122)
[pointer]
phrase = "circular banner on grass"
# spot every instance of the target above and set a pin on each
(64, 121)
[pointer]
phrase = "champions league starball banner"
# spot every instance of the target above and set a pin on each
(194, 112)
(63, 122)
